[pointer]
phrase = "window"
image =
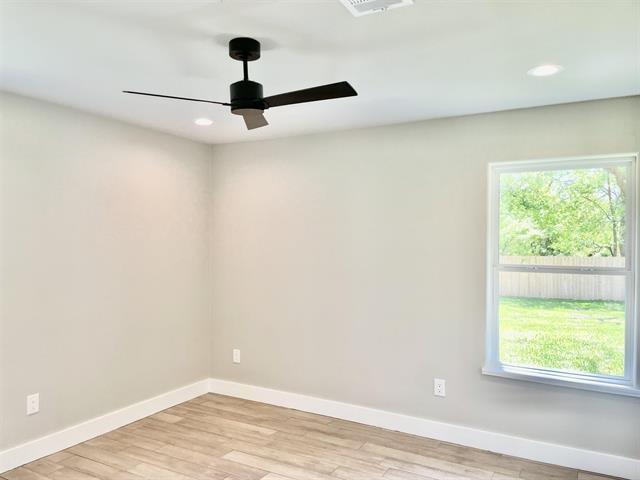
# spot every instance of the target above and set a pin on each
(561, 272)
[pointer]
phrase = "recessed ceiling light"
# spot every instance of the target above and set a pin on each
(544, 70)
(203, 122)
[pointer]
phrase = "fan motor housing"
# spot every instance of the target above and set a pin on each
(247, 94)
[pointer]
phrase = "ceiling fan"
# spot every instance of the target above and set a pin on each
(246, 95)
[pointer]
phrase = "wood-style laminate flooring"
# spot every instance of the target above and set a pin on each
(214, 437)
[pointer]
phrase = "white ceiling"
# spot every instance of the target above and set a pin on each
(432, 59)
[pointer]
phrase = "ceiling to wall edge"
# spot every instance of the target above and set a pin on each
(306, 134)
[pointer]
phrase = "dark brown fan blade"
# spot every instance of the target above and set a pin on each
(175, 98)
(254, 119)
(325, 92)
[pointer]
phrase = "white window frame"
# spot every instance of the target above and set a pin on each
(629, 384)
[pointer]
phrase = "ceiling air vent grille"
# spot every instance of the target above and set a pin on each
(364, 7)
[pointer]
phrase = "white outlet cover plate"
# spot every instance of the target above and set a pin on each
(439, 387)
(236, 355)
(33, 403)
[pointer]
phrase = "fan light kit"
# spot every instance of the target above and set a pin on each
(203, 122)
(246, 95)
(358, 8)
(544, 70)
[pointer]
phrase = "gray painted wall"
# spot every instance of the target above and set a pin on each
(337, 262)
(104, 294)
(328, 267)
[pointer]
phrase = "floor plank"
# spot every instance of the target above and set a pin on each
(215, 437)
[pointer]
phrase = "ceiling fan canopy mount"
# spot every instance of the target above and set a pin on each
(244, 49)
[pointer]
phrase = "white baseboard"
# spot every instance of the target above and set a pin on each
(43, 446)
(496, 442)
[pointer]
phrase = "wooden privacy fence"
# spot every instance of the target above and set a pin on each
(568, 286)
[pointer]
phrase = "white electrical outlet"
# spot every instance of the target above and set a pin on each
(33, 403)
(439, 387)
(236, 355)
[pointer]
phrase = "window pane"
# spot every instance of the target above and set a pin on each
(564, 322)
(564, 217)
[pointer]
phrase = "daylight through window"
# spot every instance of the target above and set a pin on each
(561, 272)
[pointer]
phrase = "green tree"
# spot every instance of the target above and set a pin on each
(563, 212)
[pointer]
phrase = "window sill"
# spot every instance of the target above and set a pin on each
(562, 380)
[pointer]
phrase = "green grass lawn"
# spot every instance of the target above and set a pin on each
(574, 335)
